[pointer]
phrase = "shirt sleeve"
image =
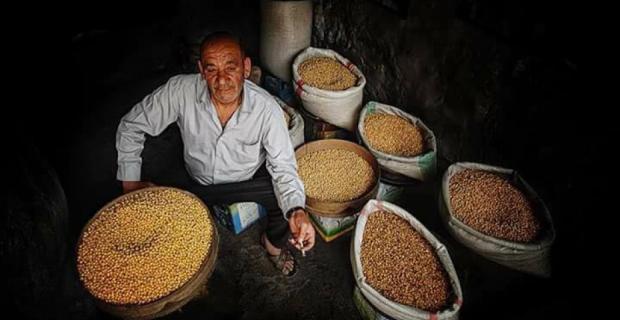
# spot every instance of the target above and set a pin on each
(151, 116)
(281, 162)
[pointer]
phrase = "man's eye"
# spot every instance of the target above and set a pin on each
(210, 70)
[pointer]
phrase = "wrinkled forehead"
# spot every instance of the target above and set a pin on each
(221, 49)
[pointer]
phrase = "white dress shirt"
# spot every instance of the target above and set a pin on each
(255, 132)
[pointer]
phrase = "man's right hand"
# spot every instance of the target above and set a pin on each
(129, 186)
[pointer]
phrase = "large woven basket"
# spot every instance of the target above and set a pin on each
(334, 209)
(177, 298)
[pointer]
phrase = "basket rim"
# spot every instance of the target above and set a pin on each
(374, 165)
(204, 265)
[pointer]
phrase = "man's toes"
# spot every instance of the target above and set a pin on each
(289, 265)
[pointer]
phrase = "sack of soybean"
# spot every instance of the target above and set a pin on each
(295, 123)
(390, 246)
(401, 142)
(389, 192)
(329, 86)
(497, 214)
(366, 310)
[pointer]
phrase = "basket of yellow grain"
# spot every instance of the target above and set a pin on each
(147, 253)
(339, 176)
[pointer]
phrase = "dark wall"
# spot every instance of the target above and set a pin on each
(80, 52)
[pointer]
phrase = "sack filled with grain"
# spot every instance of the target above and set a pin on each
(329, 86)
(294, 123)
(401, 268)
(494, 212)
(401, 142)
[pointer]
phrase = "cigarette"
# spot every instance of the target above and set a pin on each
(301, 247)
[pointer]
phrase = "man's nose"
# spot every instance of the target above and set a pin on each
(221, 77)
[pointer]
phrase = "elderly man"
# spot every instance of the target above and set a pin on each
(229, 127)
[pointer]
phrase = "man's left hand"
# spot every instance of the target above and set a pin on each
(302, 230)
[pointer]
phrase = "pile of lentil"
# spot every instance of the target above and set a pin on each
(335, 175)
(394, 135)
(327, 74)
(401, 264)
(144, 246)
(492, 205)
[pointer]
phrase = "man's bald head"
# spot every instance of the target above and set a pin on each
(218, 38)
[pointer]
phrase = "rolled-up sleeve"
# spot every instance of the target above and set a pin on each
(281, 162)
(150, 116)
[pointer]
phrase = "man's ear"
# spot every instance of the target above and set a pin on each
(200, 68)
(247, 67)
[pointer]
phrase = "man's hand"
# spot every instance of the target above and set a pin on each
(302, 230)
(129, 186)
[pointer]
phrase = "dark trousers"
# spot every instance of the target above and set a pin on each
(259, 189)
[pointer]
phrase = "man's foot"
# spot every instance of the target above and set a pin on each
(282, 259)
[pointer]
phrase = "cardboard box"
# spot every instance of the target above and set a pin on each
(239, 216)
(332, 228)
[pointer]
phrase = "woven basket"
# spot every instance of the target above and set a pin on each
(177, 298)
(334, 209)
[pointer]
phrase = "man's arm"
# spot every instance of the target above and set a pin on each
(151, 116)
(288, 188)
(282, 165)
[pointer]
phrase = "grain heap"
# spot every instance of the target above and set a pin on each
(400, 264)
(335, 175)
(327, 74)
(144, 246)
(394, 135)
(493, 206)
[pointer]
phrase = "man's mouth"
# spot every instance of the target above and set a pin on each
(224, 89)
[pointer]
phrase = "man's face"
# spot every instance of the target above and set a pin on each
(224, 68)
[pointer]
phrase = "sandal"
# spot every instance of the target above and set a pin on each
(280, 260)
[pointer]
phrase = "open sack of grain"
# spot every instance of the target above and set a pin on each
(401, 268)
(401, 142)
(339, 176)
(494, 212)
(148, 252)
(294, 123)
(329, 86)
